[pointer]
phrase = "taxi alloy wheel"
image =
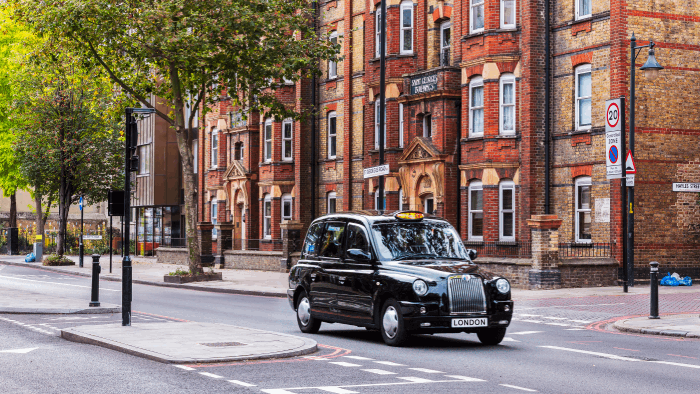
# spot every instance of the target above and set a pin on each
(307, 323)
(491, 336)
(391, 324)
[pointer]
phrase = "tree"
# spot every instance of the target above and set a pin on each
(187, 52)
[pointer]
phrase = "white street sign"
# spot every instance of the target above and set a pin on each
(376, 171)
(686, 187)
(613, 138)
(92, 237)
(630, 180)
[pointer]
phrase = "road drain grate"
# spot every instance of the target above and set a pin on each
(223, 344)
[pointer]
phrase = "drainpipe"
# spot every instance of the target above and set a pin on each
(313, 128)
(547, 77)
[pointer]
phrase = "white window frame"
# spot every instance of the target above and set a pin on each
(267, 219)
(332, 135)
(332, 64)
(427, 126)
(267, 141)
(406, 5)
(144, 154)
(215, 148)
(445, 26)
(474, 5)
(401, 208)
(476, 82)
(506, 185)
(579, 15)
(582, 181)
(213, 210)
(401, 126)
(287, 200)
(376, 123)
(288, 156)
(329, 197)
(475, 186)
(195, 155)
(377, 28)
(242, 150)
(505, 80)
(582, 69)
(505, 4)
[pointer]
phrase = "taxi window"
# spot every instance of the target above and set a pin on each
(332, 240)
(357, 238)
(311, 239)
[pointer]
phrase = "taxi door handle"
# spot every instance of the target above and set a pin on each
(341, 279)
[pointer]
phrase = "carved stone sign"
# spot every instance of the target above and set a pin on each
(424, 83)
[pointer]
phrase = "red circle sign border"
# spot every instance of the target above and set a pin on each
(607, 119)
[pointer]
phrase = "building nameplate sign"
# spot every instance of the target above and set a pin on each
(424, 84)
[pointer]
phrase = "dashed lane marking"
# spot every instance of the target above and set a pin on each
(425, 370)
(455, 379)
(465, 378)
(518, 388)
(677, 355)
(554, 318)
(337, 390)
(393, 364)
(244, 384)
(276, 391)
(524, 332)
(211, 375)
(344, 364)
(184, 367)
(358, 358)
(621, 358)
(558, 324)
(19, 351)
(575, 329)
(416, 379)
(508, 339)
(55, 283)
(529, 321)
(379, 371)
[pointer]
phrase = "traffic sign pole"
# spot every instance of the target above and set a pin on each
(382, 101)
(623, 202)
(81, 247)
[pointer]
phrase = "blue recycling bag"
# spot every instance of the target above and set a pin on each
(669, 280)
(30, 258)
(686, 281)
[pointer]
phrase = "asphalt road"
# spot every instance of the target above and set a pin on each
(554, 346)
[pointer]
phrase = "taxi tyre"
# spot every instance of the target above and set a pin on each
(391, 324)
(491, 336)
(302, 311)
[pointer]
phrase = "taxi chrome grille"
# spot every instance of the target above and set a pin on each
(466, 294)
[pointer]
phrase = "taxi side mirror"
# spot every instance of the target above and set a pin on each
(359, 255)
(472, 254)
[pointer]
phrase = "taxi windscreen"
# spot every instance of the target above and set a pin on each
(418, 240)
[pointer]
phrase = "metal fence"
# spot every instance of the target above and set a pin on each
(272, 245)
(24, 243)
(501, 249)
(593, 249)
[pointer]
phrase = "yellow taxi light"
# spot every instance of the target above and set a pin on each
(409, 216)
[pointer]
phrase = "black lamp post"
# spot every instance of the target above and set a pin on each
(651, 70)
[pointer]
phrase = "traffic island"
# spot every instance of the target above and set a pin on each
(190, 342)
(685, 325)
(187, 277)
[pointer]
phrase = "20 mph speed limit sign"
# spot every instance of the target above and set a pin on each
(613, 137)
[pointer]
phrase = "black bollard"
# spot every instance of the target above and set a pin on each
(654, 277)
(95, 280)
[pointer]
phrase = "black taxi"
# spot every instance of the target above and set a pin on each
(399, 273)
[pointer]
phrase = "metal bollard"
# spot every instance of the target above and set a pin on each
(654, 303)
(96, 269)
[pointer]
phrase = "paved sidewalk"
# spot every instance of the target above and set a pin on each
(25, 302)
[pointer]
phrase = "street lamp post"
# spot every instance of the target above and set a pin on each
(651, 70)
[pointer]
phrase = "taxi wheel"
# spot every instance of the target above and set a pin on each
(391, 324)
(307, 323)
(491, 336)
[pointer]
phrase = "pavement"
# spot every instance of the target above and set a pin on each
(165, 342)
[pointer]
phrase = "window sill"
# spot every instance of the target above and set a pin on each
(580, 131)
(142, 175)
(507, 136)
(473, 138)
(490, 32)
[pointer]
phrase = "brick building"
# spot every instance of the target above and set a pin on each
(467, 135)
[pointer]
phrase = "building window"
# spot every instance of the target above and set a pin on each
(332, 136)
(401, 207)
(407, 27)
(507, 14)
(583, 9)
(213, 208)
(583, 209)
(378, 30)
(267, 217)
(476, 211)
(268, 140)
(214, 148)
(476, 107)
(506, 211)
(287, 126)
(377, 108)
(428, 204)
(286, 207)
(242, 151)
(379, 204)
(332, 64)
(427, 126)
(476, 16)
(507, 109)
(195, 155)
(445, 41)
(330, 207)
(401, 129)
(583, 97)
(144, 159)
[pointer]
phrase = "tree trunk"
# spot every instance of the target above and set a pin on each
(13, 210)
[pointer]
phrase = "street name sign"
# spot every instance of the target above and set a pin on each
(613, 138)
(376, 171)
(93, 237)
(686, 187)
(630, 169)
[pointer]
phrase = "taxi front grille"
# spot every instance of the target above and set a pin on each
(466, 295)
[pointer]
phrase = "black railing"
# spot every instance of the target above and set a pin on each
(445, 57)
(501, 249)
(593, 249)
(273, 245)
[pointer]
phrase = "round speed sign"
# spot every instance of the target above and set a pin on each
(612, 115)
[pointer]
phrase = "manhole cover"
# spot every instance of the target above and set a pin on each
(223, 344)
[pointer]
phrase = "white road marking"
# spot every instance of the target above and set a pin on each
(337, 390)
(344, 364)
(575, 329)
(211, 375)
(605, 355)
(518, 388)
(558, 324)
(390, 363)
(582, 321)
(19, 351)
(554, 318)
(677, 364)
(526, 314)
(54, 283)
(465, 378)
(184, 367)
(416, 379)
(379, 371)
(244, 384)
(425, 370)
(524, 332)
(508, 339)
(277, 391)
(531, 321)
(358, 358)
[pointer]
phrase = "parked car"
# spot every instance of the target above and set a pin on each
(401, 273)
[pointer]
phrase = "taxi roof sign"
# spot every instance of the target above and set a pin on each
(411, 215)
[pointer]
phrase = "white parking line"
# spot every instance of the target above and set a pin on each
(358, 358)
(184, 367)
(337, 390)
(344, 364)
(416, 379)
(390, 363)
(425, 370)
(211, 375)
(244, 384)
(54, 283)
(379, 371)
(518, 388)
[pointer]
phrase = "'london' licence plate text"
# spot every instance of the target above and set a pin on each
(474, 322)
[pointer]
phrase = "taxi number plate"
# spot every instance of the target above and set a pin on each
(473, 322)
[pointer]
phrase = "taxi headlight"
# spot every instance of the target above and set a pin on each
(503, 285)
(420, 287)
